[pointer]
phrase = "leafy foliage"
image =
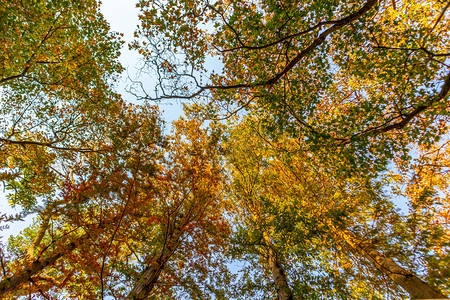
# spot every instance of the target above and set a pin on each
(281, 179)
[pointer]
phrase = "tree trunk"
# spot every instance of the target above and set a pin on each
(39, 236)
(147, 281)
(284, 292)
(31, 269)
(414, 286)
(9, 284)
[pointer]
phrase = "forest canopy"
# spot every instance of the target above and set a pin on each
(305, 125)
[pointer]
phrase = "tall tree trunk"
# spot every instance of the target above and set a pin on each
(23, 276)
(147, 281)
(38, 264)
(284, 292)
(39, 236)
(148, 278)
(414, 286)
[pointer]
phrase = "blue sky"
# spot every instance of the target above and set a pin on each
(122, 16)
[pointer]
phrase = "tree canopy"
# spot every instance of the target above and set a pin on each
(305, 124)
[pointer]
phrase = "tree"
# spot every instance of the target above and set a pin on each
(365, 79)
(290, 203)
(190, 200)
(57, 60)
(94, 196)
(128, 215)
(56, 63)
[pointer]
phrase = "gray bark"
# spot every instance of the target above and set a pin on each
(284, 292)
